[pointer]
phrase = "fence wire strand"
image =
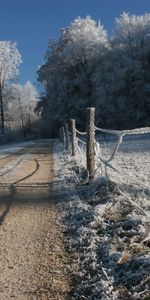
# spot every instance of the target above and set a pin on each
(104, 164)
(81, 133)
(81, 151)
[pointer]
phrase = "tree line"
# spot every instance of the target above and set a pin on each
(17, 102)
(86, 67)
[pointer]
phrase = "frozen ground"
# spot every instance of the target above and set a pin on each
(132, 159)
(10, 148)
(33, 260)
(107, 222)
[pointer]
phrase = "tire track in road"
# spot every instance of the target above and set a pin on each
(30, 174)
(4, 160)
(34, 265)
(9, 162)
(11, 187)
(5, 156)
(10, 166)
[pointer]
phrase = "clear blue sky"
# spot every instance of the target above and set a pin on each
(32, 22)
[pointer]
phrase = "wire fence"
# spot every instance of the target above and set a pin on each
(126, 153)
(81, 147)
(122, 160)
(122, 154)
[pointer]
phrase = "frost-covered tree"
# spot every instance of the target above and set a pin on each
(131, 41)
(29, 99)
(131, 31)
(122, 82)
(86, 68)
(10, 59)
(22, 100)
(66, 73)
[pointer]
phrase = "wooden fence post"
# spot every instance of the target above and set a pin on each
(90, 150)
(73, 137)
(60, 134)
(63, 136)
(67, 136)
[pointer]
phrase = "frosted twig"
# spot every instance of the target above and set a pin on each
(146, 240)
(83, 297)
(104, 271)
(146, 290)
(76, 177)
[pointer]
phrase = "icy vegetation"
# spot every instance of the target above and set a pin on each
(107, 221)
(17, 102)
(87, 67)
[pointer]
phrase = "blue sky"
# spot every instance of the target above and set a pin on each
(32, 22)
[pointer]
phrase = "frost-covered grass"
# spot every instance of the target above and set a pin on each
(106, 224)
(132, 158)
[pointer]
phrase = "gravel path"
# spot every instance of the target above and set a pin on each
(33, 261)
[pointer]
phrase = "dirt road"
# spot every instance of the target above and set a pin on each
(33, 263)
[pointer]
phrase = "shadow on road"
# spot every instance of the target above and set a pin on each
(21, 192)
(23, 195)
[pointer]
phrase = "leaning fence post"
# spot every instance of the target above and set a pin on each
(90, 148)
(73, 137)
(67, 136)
